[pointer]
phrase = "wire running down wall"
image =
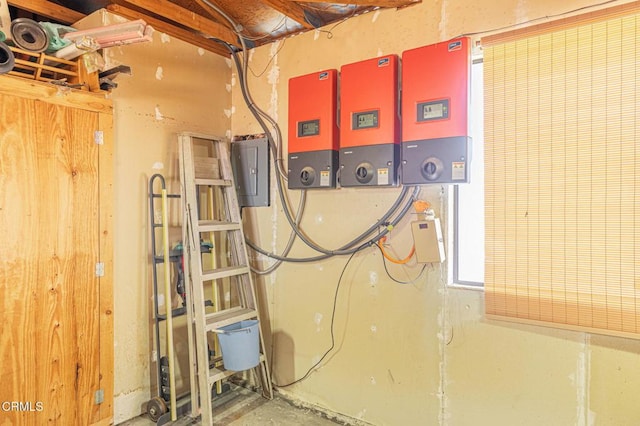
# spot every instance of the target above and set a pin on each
(562, 131)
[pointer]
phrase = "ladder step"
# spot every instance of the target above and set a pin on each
(213, 182)
(228, 271)
(218, 373)
(216, 225)
(219, 319)
(224, 216)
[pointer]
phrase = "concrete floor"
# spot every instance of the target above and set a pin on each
(241, 407)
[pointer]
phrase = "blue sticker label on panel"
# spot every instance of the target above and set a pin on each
(455, 45)
(323, 76)
(423, 226)
(383, 62)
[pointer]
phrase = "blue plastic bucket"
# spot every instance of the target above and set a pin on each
(240, 345)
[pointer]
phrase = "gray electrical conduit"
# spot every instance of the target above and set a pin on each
(257, 115)
(276, 147)
(250, 102)
(357, 242)
(292, 238)
(344, 250)
(303, 195)
(282, 175)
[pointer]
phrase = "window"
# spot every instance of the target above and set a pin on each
(562, 168)
(468, 199)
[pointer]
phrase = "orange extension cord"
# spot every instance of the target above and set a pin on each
(420, 207)
(391, 259)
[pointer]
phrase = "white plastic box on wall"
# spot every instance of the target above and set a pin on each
(428, 240)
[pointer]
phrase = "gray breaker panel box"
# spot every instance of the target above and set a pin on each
(372, 165)
(250, 164)
(442, 160)
(313, 169)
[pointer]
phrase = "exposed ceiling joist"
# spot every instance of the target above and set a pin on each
(213, 13)
(379, 3)
(290, 9)
(185, 17)
(194, 21)
(170, 29)
(50, 10)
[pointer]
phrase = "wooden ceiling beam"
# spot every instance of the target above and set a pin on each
(379, 3)
(214, 13)
(182, 16)
(291, 10)
(170, 29)
(49, 9)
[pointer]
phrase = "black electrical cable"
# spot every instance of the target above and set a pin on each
(384, 263)
(335, 302)
(333, 317)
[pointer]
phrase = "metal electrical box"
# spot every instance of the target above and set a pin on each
(250, 165)
(436, 147)
(313, 130)
(370, 123)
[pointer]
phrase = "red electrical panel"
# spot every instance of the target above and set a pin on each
(370, 86)
(313, 130)
(313, 106)
(370, 122)
(435, 105)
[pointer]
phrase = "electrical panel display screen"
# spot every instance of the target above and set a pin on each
(309, 128)
(434, 110)
(436, 145)
(365, 120)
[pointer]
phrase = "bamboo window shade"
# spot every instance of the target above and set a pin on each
(562, 164)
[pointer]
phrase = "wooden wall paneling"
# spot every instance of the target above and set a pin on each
(56, 345)
(105, 164)
(72, 203)
(18, 224)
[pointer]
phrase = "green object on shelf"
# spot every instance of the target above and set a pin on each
(3, 37)
(56, 33)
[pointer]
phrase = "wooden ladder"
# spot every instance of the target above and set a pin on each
(211, 210)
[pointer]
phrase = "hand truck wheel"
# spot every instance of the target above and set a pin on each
(156, 407)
